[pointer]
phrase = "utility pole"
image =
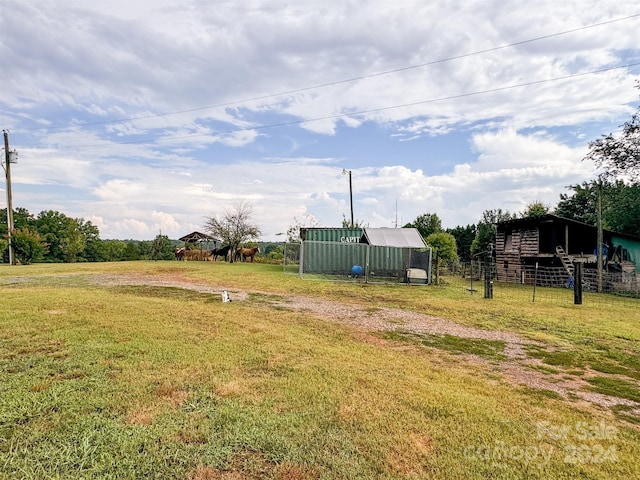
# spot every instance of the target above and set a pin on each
(600, 240)
(7, 170)
(344, 172)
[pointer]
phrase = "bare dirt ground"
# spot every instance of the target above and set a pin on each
(517, 367)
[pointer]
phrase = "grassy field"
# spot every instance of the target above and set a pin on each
(101, 379)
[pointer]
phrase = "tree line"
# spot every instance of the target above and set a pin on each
(53, 237)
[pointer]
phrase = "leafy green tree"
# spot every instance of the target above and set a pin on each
(145, 249)
(53, 228)
(274, 252)
(161, 248)
(130, 251)
(4, 250)
(21, 218)
(426, 224)
(114, 250)
(486, 229)
(69, 239)
(621, 208)
(619, 155)
(579, 206)
(444, 250)
(464, 238)
(535, 210)
(620, 205)
(73, 242)
(27, 245)
(93, 248)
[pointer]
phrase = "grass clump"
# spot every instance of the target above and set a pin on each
(451, 343)
(615, 387)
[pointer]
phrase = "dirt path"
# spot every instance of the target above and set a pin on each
(517, 367)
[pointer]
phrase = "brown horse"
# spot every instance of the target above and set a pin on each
(244, 253)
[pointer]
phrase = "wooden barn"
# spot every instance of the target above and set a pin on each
(552, 241)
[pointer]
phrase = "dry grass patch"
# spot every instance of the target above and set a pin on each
(142, 415)
(172, 394)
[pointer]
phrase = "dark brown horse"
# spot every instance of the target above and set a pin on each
(244, 253)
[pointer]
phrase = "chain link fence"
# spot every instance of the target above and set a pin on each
(360, 262)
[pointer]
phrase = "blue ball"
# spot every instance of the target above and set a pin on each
(356, 270)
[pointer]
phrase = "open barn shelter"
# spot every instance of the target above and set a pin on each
(386, 255)
(557, 243)
(198, 246)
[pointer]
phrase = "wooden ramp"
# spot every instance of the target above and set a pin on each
(566, 260)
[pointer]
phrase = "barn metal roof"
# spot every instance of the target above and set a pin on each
(393, 237)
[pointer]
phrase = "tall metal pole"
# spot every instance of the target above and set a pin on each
(351, 198)
(344, 172)
(599, 249)
(7, 170)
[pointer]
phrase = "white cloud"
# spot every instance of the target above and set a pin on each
(193, 78)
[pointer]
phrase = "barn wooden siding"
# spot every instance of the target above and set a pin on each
(509, 258)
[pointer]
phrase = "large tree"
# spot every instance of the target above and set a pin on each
(619, 155)
(620, 205)
(580, 205)
(426, 224)
(535, 209)
(28, 245)
(621, 210)
(444, 250)
(161, 248)
(234, 226)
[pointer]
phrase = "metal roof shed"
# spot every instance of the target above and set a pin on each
(393, 237)
(397, 252)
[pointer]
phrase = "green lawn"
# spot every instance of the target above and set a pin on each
(121, 381)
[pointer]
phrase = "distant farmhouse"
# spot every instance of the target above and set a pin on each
(552, 241)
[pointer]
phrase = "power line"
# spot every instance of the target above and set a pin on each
(348, 80)
(364, 112)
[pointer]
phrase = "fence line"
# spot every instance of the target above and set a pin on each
(530, 284)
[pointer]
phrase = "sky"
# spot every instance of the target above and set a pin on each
(147, 117)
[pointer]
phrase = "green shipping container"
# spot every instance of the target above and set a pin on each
(340, 235)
